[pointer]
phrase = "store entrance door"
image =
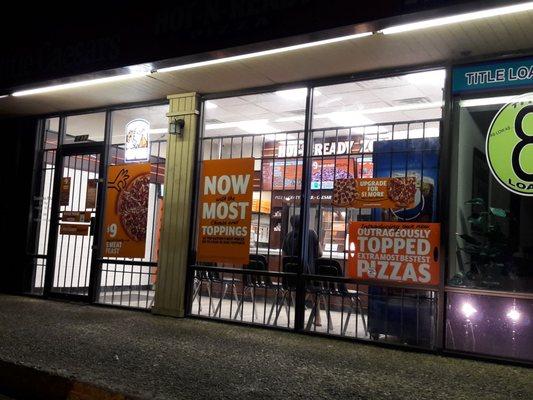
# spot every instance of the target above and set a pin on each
(74, 229)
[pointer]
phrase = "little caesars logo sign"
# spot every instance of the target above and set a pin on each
(509, 145)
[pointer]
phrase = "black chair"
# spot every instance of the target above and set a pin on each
(320, 290)
(289, 265)
(226, 283)
(332, 268)
(212, 277)
(253, 281)
(200, 277)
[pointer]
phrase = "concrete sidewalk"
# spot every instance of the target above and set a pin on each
(145, 356)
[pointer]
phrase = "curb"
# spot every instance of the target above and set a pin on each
(23, 382)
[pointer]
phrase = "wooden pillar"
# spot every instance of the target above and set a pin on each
(177, 208)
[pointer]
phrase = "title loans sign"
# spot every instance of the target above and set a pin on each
(225, 211)
(496, 75)
(395, 251)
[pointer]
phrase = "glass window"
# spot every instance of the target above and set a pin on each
(388, 128)
(126, 283)
(361, 131)
(92, 126)
(51, 133)
(491, 234)
(42, 202)
(267, 127)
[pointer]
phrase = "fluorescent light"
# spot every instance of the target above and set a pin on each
(471, 16)
(348, 118)
(4, 96)
(369, 111)
(407, 107)
(264, 52)
(295, 94)
(209, 105)
(255, 126)
(428, 78)
(292, 94)
(294, 118)
(71, 85)
(225, 125)
(158, 130)
(486, 101)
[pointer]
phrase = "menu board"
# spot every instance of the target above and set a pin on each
(287, 174)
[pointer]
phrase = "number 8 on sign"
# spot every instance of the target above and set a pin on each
(509, 145)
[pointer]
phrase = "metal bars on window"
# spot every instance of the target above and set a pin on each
(131, 282)
(42, 202)
(264, 291)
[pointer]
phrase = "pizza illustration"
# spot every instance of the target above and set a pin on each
(402, 191)
(344, 192)
(132, 207)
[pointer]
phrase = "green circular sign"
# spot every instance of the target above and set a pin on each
(509, 145)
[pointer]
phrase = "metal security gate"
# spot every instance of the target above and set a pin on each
(74, 222)
(276, 290)
(131, 282)
(64, 240)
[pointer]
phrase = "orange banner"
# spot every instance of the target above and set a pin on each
(226, 189)
(126, 210)
(375, 192)
(395, 252)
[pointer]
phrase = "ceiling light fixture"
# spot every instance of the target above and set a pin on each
(263, 53)
(427, 78)
(369, 111)
(158, 130)
(486, 101)
(471, 16)
(295, 94)
(349, 118)
(72, 85)
(254, 126)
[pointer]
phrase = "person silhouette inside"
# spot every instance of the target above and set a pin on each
(314, 250)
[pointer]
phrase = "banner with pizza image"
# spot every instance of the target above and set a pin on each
(375, 192)
(126, 210)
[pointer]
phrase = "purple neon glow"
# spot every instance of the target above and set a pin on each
(491, 325)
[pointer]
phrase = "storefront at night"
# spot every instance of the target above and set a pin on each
(388, 204)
